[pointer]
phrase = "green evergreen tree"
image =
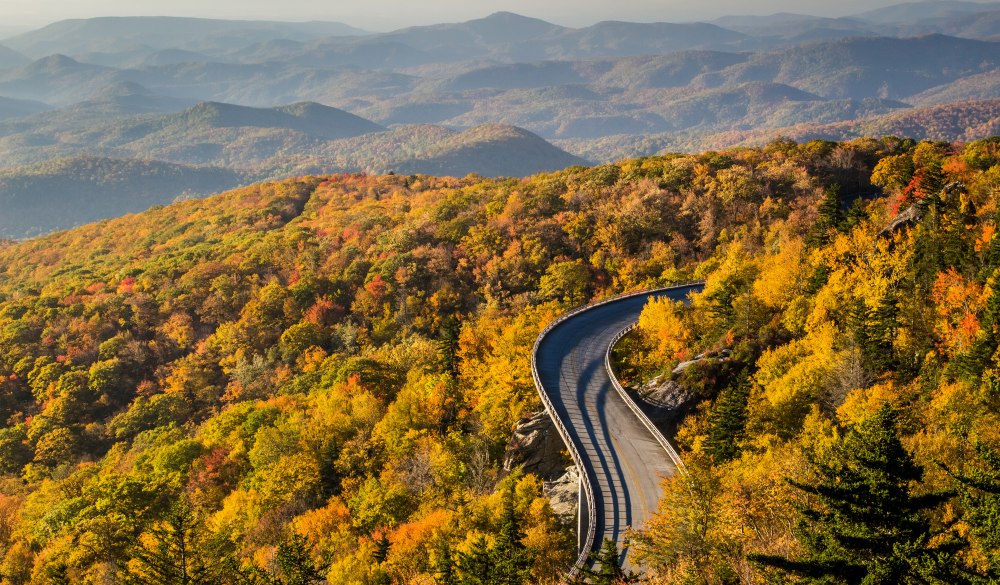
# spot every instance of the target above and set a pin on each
(728, 421)
(873, 331)
(930, 179)
(854, 215)
(869, 528)
(511, 559)
(476, 566)
(507, 561)
(444, 564)
(296, 563)
(448, 344)
(608, 565)
(979, 496)
(175, 556)
(828, 218)
(381, 549)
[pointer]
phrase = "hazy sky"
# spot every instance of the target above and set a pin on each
(387, 14)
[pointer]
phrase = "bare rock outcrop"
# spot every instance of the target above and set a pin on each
(721, 355)
(912, 215)
(537, 448)
(564, 495)
(665, 394)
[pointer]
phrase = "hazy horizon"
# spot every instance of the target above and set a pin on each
(21, 15)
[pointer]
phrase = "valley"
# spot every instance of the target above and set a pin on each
(501, 95)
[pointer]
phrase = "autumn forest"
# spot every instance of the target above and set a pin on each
(316, 380)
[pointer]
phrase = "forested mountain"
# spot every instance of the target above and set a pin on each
(213, 93)
(924, 11)
(243, 144)
(318, 376)
(11, 58)
(148, 34)
(966, 121)
(42, 198)
(845, 403)
(259, 139)
(10, 108)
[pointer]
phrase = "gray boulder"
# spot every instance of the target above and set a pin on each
(564, 495)
(537, 448)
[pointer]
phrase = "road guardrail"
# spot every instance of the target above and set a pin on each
(586, 543)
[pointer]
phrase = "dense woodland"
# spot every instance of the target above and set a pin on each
(314, 380)
(849, 434)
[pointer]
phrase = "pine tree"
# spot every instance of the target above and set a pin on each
(873, 331)
(609, 569)
(381, 549)
(511, 559)
(296, 563)
(728, 421)
(448, 344)
(828, 218)
(929, 179)
(444, 564)
(173, 557)
(507, 561)
(854, 215)
(869, 528)
(476, 566)
(979, 495)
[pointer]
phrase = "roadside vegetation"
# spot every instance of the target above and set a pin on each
(849, 432)
(316, 379)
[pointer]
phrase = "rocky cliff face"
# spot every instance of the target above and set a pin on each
(564, 495)
(537, 448)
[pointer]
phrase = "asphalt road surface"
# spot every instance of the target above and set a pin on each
(623, 461)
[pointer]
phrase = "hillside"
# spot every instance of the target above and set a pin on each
(965, 121)
(492, 151)
(64, 193)
(334, 365)
(306, 117)
(151, 159)
(510, 37)
(19, 108)
(481, 96)
(262, 140)
(11, 58)
(611, 82)
(844, 373)
(147, 34)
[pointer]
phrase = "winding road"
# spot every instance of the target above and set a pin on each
(621, 455)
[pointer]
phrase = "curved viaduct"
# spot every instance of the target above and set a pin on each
(621, 455)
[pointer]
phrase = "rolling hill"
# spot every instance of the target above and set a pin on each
(11, 108)
(61, 194)
(965, 120)
(147, 34)
(11, 58)
(485, 95)
(962, 121)
(152, 159)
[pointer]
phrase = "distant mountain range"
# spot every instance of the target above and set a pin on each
(959, 121)
(146, 159)
(265, 141)
(137, 35)
(500, 95)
